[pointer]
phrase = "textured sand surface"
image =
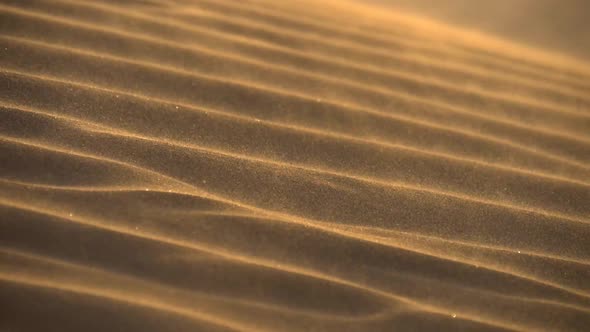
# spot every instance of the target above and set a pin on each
(256, 165)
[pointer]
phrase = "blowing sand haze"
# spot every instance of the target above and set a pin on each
(258, 165)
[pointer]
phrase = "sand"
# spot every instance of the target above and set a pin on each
(257, 165)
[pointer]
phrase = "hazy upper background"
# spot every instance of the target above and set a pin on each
(563, 25)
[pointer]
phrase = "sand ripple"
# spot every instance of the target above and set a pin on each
(285, 166)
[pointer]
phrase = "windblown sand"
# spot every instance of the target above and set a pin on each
(258, 165)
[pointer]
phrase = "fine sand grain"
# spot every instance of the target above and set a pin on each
(260, 165)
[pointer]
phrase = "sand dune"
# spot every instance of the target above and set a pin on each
(175, 165)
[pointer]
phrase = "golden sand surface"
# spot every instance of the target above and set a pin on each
(259, 165)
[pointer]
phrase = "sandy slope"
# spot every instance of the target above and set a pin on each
(285, 166)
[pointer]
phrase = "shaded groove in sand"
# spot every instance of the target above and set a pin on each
(425, 47)
(377, 69)
(251, 260)
(345, 175)
(128, 292)
(296, 167)
(274, 92)
(528, 128)
(269, 264)
(298, 22)
(133, 282)
(289, 218)
(399, 147)
(426, 50)
(404, 102)
(448, 89)
(363, 236)
(313, 132)
(462, 50)
(369, 231)
(522, 109)
(413, 32)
